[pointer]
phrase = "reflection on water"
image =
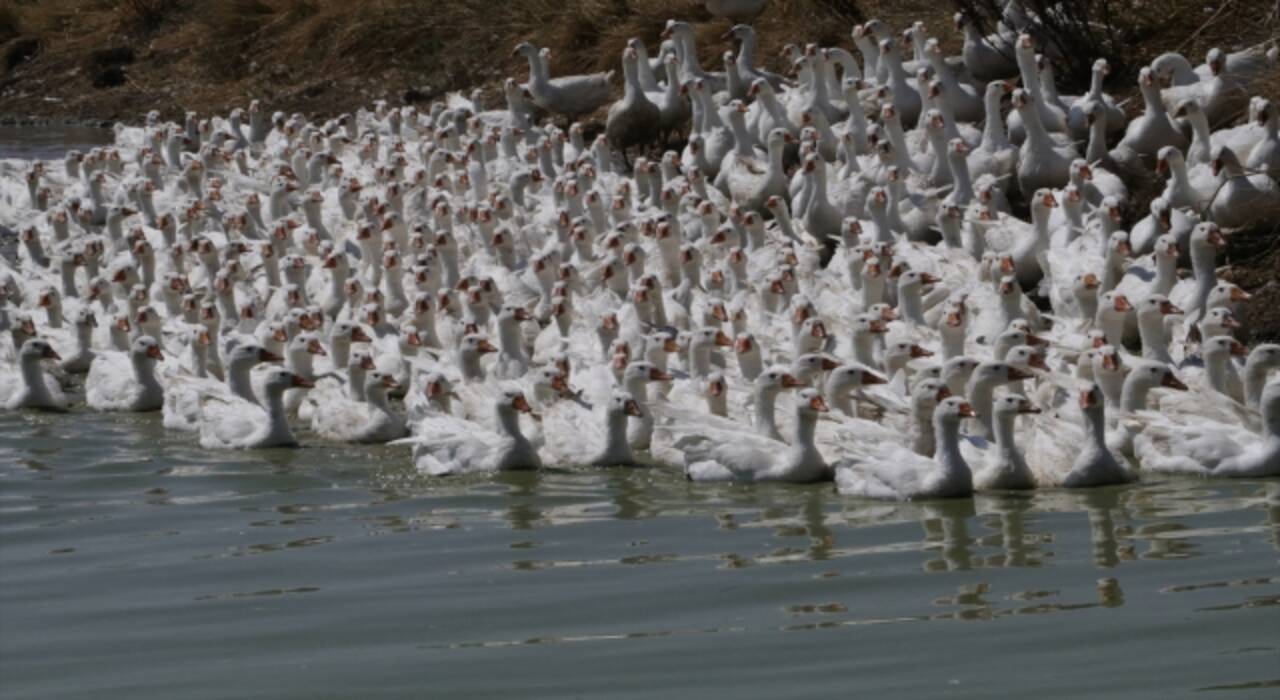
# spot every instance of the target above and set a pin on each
(257, 556)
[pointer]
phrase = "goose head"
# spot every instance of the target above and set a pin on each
(623, 404)
(1225, 163)
(278, 380)
(1220, 348)
(809, 403)
(1025, 357)
(989, 375)
(35, 349)
(950, 412)
(251, 354)
(1010, 406)
(957, 372)
(377, 384)
(716, 392)
(810, 366)
(1227, 294)
(846, 378)
(776, 379)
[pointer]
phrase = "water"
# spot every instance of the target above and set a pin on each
(49, 142)
(133, 564)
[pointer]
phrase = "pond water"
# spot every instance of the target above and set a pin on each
(48, 142)
(134, 564)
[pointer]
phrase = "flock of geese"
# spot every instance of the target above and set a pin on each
(827, 283)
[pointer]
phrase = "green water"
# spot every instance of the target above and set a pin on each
(134, 564)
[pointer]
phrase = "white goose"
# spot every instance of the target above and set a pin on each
(890, 471)
(369, 421)
(234, 423)
(1211, 448)
(119, 382)
(1062, 455)
(31, 387)
(1002, 466)
(593, 443)
(747, 456)
(446, 445)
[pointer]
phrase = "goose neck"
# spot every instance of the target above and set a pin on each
(806, 428)
(1003, 428)
(509, 421)
(144, 371)
(238, 379)
(765, 400)
(947, 445)
(1166, 274)
(33, 378)
(1133, 397)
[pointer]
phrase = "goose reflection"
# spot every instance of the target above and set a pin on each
(1010, 517)
(946, 530)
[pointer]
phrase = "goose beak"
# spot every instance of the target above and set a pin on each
(315, 348)
(1168, 309)
(302, 382)
(1122, 304)
(723, 340)
(389, 382)
(1027, 407)
(966, 411)
(485, 347)
(358, 335)
(1238, 294)
(521, 404)
(1238, 349)
(870, 378)
(790, 382)
(1088, 399)
(50, 353)
(434, 389)
(818, 404)
(154, 352)
(657, 375)
(716, 389)
(1110, 363)
(1172, 382)
(1016, 374)
(633, 409)
(1037, 362)
(819, 330)
(918, 352)
(265, 355)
